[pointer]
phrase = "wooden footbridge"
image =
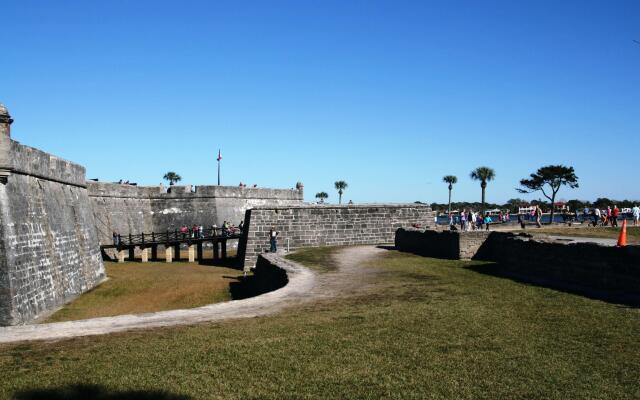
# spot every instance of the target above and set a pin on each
(172, 242)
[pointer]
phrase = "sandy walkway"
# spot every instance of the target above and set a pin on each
(304, 285)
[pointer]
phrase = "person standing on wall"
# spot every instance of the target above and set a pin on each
(273, 240)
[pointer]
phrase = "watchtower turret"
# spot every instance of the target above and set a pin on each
(5, 143)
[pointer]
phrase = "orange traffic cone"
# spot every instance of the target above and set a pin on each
(622, 239)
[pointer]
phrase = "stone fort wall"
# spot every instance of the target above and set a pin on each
(135, 209)
(328, 225)
(48, 240)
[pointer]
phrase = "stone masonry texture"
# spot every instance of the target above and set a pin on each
(48, 241)
(328, 225)
(134, 209)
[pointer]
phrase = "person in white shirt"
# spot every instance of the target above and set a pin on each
(635, 211)
(597, 215)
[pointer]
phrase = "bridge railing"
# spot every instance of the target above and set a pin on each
(177, 235)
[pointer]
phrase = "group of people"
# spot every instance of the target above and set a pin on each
(227, 229)
(608, 216)
(471, 220)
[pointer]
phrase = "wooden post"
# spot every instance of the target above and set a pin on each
(144, 255)
(192, 253)
(216, 253)
(224, 248)
(177, 251)
(154, 252)
(132, 253)
(200, 255)
(168, 254)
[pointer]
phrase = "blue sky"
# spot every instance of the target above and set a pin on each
(389, 96)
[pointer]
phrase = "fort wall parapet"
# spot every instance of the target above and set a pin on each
(27, 160)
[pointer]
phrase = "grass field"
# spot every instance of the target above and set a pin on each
(633, 233)
(154, 286)
(427, 329)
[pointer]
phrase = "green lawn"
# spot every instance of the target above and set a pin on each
(428, 329)
(147, 287)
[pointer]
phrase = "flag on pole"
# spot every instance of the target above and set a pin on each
(219, 155)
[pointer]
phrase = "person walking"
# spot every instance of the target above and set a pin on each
(538, 213)
(635, 211)
(614, 215)
(273, 240)
(487, 220)
(596, 216)
(463, 220)
(521, 221)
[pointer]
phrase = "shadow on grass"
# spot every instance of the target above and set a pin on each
(509, 272)
(94, 392)
(248, 286)
(229, 262)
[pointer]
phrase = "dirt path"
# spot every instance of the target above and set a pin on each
(350, 275)
(304, 285)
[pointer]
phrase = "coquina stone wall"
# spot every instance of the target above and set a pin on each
(606, 271)
(49, 250)
(441, 244)
(328, 225)
(135, 209)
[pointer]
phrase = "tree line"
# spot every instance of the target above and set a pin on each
(547, 180)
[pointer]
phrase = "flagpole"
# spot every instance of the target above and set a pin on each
(219, 167)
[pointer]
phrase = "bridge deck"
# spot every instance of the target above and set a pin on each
(171, 238)
(172, 242)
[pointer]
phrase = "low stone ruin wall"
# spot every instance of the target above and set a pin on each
(327, 225)
(610, 272)
(269, 274)
(440, 244)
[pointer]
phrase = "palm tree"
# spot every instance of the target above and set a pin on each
(484, 175)
(341, 186)
(451, 180)
(172, 177)
(322, 196)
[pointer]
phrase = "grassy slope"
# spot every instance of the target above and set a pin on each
(430, 329)
(319, 258)
(154, 286)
